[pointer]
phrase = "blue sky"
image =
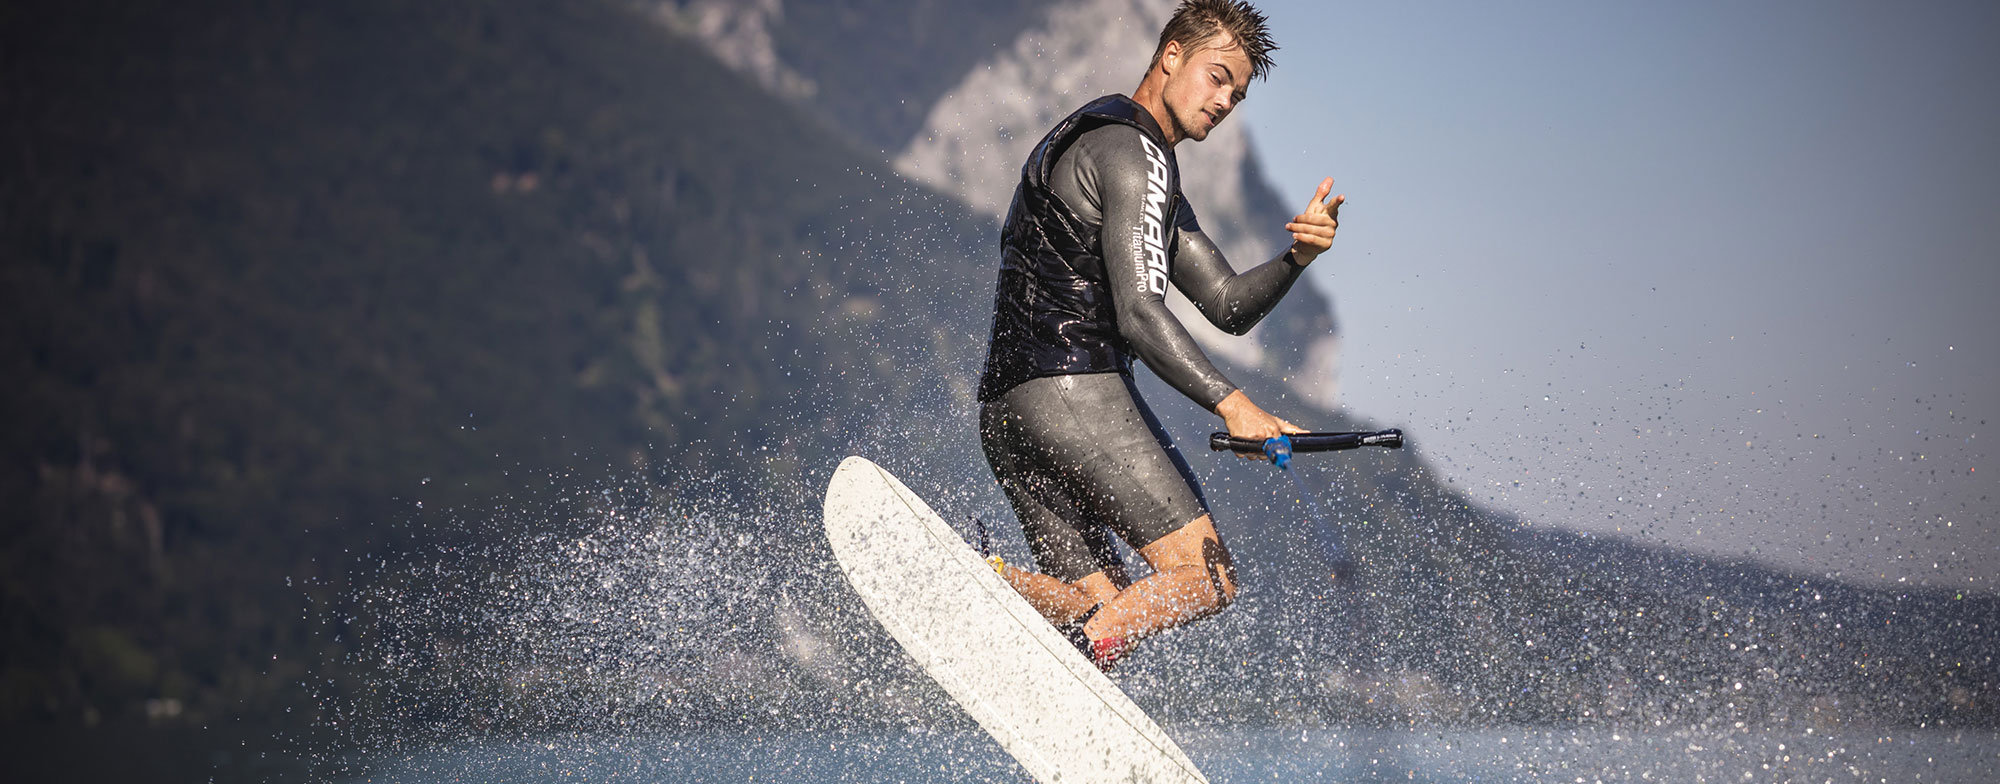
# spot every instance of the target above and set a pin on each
(1718, 275)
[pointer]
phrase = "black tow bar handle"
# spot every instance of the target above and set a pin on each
(1311, 442)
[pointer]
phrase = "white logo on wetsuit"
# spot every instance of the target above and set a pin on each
(1152, 260)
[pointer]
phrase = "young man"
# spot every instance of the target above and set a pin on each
(1097, 230)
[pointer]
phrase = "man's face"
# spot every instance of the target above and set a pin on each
(1204, 85)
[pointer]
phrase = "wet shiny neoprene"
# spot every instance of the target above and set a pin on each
(1097, 231)
(1082, 459)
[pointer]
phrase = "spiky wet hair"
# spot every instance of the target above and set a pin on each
(1197, 23)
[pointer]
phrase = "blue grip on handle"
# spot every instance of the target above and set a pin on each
(1279, 450)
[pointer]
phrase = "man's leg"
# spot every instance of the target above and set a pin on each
(1080, 457)
(1192, 578)
(1058, 601)
(1061, 547)
(1012, 434)
(1121, 472)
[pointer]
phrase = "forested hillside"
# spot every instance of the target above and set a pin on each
(278, 273)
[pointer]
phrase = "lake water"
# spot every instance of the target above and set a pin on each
(1263, 755)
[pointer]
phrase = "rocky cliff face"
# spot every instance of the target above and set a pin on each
(971, 139)
(738, 33)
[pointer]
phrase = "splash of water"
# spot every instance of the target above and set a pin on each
(633, 612)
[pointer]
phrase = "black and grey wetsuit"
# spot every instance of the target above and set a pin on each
(1097, 230)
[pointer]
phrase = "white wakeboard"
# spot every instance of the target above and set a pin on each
(1062, 719)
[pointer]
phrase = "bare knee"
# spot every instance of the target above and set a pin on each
(1218, 590)
(1221, 572)
(1202, 589)
(1225, 593)
(1200, 563)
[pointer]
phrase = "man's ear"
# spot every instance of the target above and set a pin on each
(1170, 57)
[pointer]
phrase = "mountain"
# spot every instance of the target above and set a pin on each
(286, 284)
(956, 100)
(453, 366)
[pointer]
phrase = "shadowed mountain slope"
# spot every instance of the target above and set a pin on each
(277, 274)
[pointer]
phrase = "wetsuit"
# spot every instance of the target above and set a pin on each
(1097, 230)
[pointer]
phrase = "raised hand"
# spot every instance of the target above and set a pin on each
(1313, 230)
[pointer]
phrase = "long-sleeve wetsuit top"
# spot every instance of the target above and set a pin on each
(1102, 178)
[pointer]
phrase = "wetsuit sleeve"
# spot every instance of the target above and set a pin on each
(1232, 302)
(1132, 189)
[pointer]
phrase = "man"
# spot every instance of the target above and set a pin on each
(1097, 230)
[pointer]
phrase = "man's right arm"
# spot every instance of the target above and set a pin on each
(1135, 237)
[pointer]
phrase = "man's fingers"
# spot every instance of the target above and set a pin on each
(1319, 197)
(1333, 210)
(1321, 231)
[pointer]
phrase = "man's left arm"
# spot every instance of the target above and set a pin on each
(1236, 302)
